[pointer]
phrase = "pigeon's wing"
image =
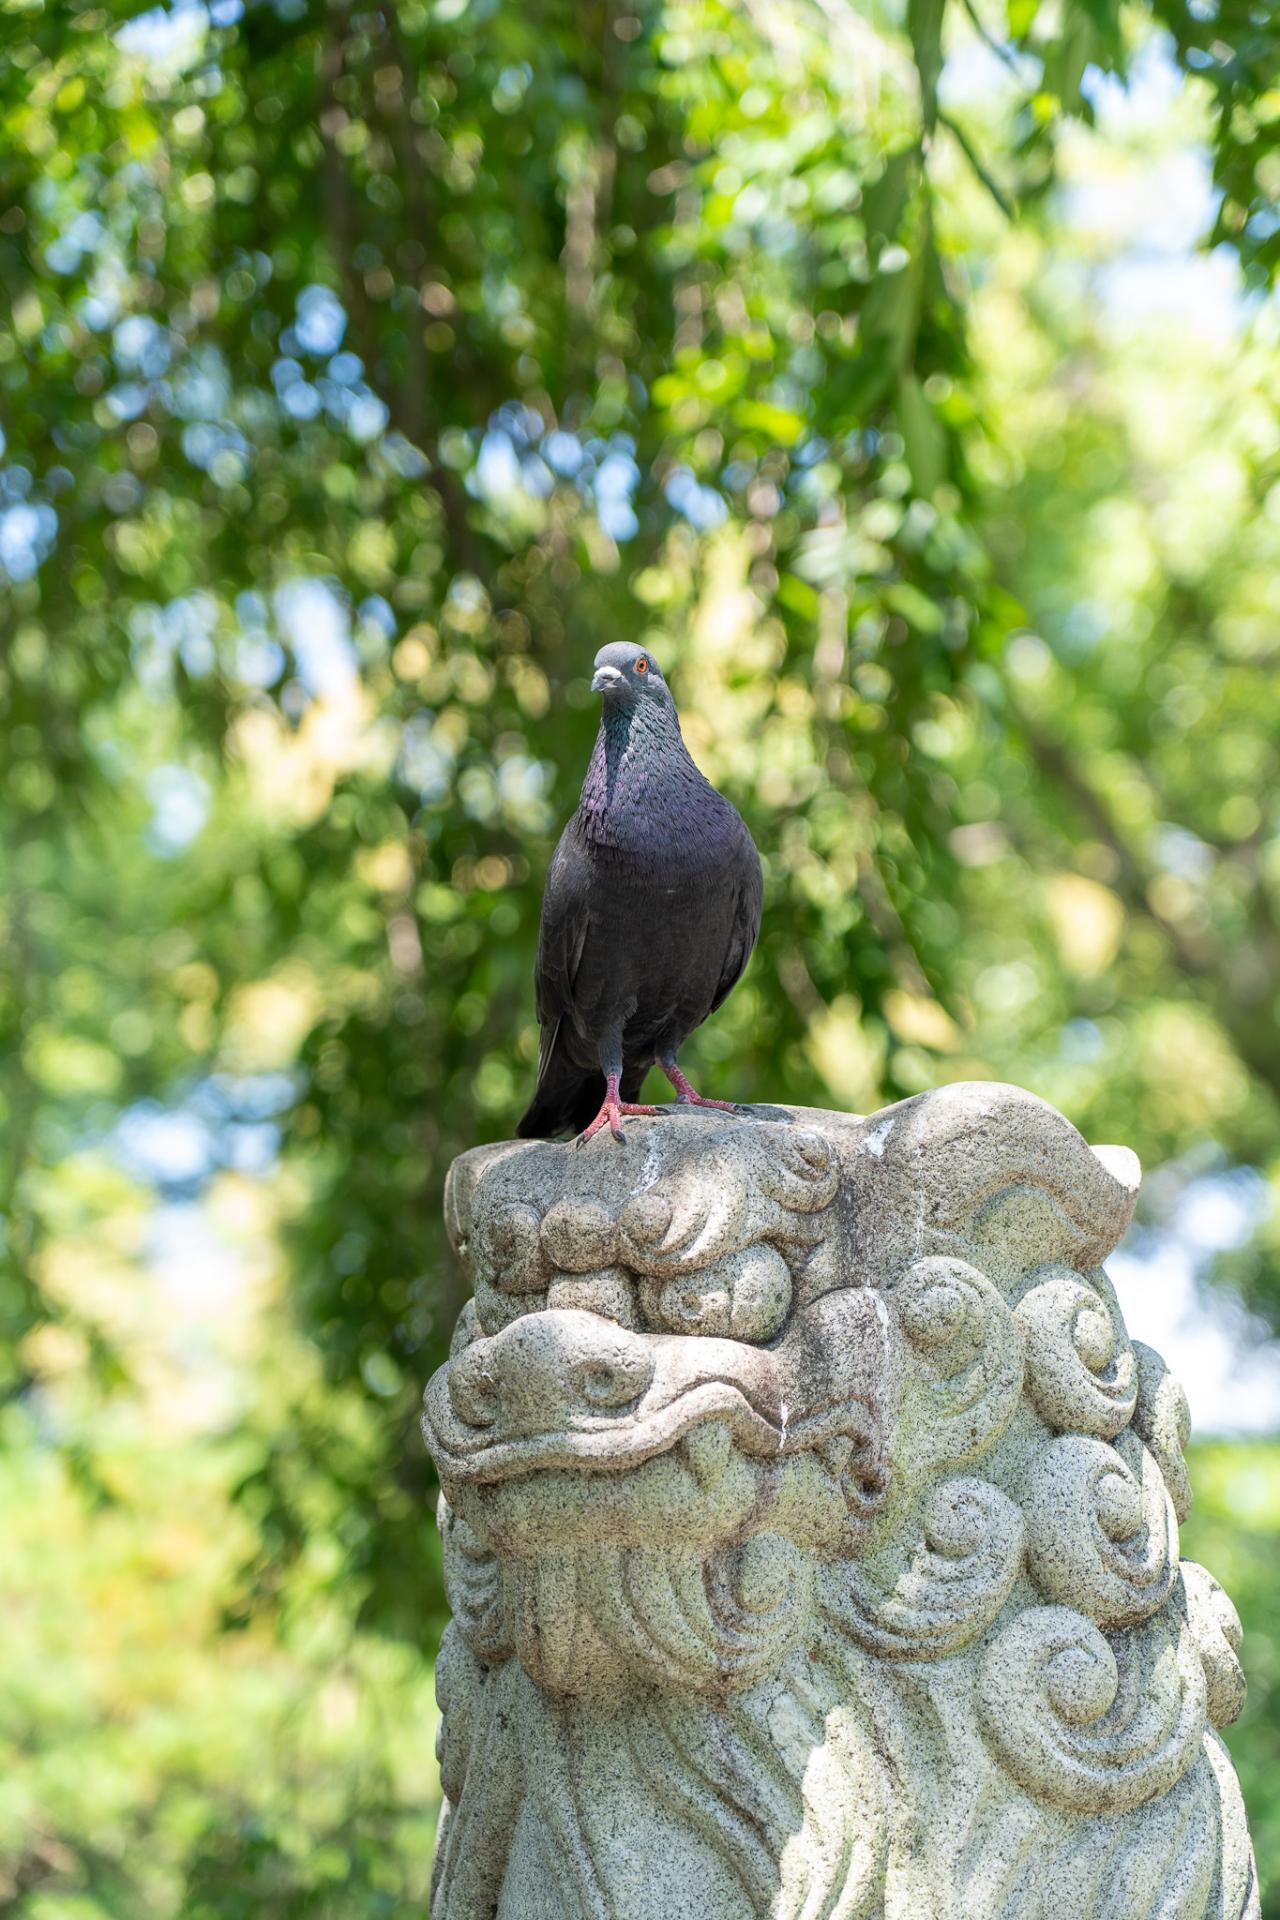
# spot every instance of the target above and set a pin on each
(745, 925)
(562, 935)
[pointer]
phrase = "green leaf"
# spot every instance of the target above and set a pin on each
(776, 423)
(914, 607)
(924, 436)
(924, 24)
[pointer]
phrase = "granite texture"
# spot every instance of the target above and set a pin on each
(811, 1535)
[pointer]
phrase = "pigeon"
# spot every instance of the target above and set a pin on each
(651, 911)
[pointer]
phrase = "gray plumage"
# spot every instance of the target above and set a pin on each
(651, 910)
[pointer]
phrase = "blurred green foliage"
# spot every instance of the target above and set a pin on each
(1235, 1529)
(362, 369)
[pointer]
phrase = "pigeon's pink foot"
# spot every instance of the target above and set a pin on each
(687, 1094)
(612, 1111)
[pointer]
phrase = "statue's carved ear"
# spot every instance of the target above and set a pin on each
(461, 1183)
(967, 1151)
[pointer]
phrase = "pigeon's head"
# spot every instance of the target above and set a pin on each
(627, 674)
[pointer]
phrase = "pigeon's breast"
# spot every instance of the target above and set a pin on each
(661, 921)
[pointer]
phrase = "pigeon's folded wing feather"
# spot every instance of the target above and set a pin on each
(745, 926)
(566, 915)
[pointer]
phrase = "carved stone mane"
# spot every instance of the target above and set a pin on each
(811, 1535)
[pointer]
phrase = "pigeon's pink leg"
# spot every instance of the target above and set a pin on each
(612, 1111)
(687, 1095)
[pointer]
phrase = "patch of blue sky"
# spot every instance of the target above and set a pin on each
(244, 1096)
(317, 626)
(183, 628)
(536, 477)
(180, 802)
(505, 472)
(206, 443)
(1081, 1041)
(258, 660)
(81, 235)
(376, 623)
(378, 612)
(401, 456)
(367, 415)
(425, 762)
(522, 786)
(1165, 206)
(202, 386)
(226, 1121)
(496, 473)
(1143, 99)
(167, 39)
(1229, 1367)
(140, 345)
(563, 452)
(165, 1146)
(700, 505)
(320, 321)
(1203, 294)
(27, 535)
(301, 401)
(201, 1274)
(1182, 852)
(613, 484)
(128, 400)
(617, 518)
(250, 1147)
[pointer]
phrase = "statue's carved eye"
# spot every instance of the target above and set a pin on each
(642, 666)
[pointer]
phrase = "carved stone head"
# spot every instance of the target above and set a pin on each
(811, 1530)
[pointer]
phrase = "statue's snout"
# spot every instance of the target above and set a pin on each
(553, 1370)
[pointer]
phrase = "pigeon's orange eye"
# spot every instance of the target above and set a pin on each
(642, 666)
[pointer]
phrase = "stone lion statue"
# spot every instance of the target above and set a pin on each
(811, 1535)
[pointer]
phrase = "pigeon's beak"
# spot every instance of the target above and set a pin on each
(605, 679)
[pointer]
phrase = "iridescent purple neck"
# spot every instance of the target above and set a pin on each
(638, 748)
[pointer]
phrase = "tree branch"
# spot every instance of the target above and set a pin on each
(988, 180)
(406, 407)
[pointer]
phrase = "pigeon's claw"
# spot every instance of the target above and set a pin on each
(687, 1094)
(612, 1111)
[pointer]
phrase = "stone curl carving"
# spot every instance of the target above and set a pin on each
(959, 1577)
(968, 1344)
(810, 1530)
(1081, 1376)
(1087, 1723)
(1162, 1419)
(1101, 1532)
(1215, 1628)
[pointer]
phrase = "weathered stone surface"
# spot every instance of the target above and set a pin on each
(811, 1534)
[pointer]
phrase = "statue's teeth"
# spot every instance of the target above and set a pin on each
(706, 1449)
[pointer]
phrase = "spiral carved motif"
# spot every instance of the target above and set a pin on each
(1087, 1723)
(1081, 1376)
(958, 1579)
(1101, 1531)
(1215, 1626)
(1163, 1419)
(958, 1322)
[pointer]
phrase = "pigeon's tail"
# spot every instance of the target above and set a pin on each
(562, 1106)
(567, 1098)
